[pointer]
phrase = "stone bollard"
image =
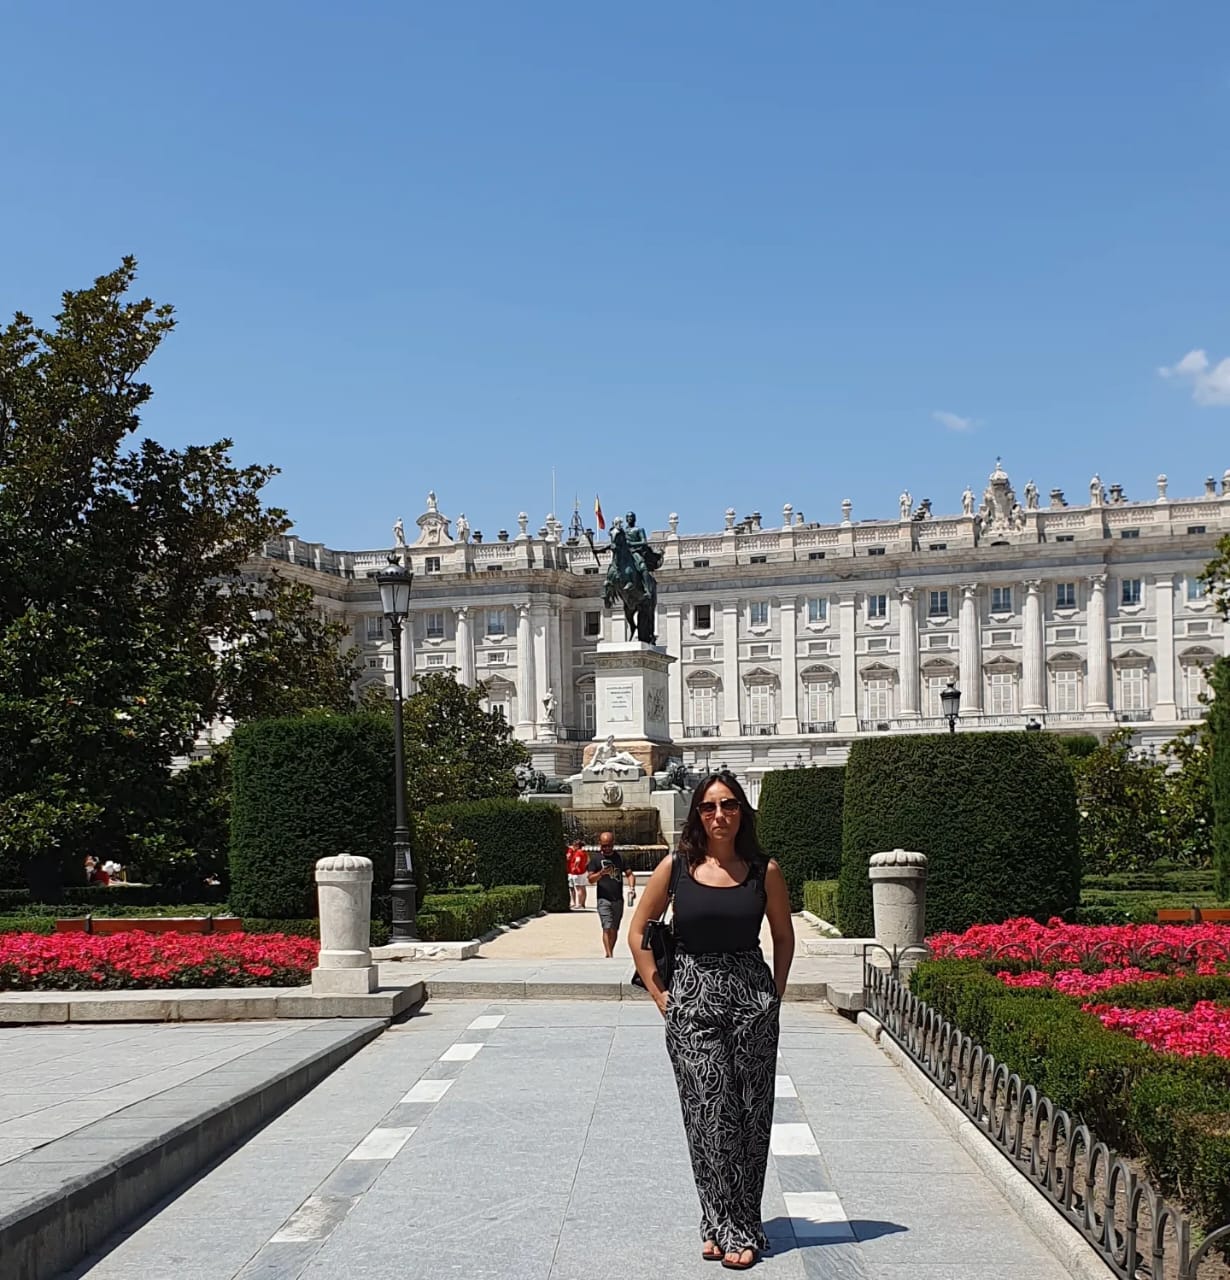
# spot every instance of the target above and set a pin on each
(899, 902)
(344, 886)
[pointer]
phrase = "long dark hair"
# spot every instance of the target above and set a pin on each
(694, 844)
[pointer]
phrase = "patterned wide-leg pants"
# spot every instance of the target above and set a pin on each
(721, 1035)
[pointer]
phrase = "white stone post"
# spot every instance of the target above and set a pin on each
(344, 887)
(1165, 707)
(465, 646)
(898, 900)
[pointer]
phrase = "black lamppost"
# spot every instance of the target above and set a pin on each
(1033, 726)
(950, 699)
(395, 583)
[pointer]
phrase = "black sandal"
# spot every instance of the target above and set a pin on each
(742, 1266)
(716, 1256)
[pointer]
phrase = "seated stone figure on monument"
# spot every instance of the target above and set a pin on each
(629, 577)
(609, 762)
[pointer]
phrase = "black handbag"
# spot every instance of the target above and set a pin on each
(659, 935)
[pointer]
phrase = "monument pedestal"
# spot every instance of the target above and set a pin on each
(631, 700)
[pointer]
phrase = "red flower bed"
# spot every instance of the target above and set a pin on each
(134, 960)
(1204, 1029)
(1076, 982)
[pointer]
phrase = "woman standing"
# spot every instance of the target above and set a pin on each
(722, 1007)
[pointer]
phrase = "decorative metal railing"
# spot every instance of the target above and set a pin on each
(1137, 1232)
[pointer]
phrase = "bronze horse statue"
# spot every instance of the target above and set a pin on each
(629, 578)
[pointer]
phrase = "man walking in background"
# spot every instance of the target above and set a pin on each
(578, 878)
(606, 871)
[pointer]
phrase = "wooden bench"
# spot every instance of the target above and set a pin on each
(155, 924)
(1194, 915)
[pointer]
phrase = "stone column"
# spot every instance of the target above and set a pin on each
(527, 704)
(909, 654)
(1165, 704)
(407, 655)
(788, 608)
(344, 889)
(899, 900)
(542, 665)
(847, 719)
(465, 646)
(1098, 655)
(555, 664)
(1033, 685)
(674, 645)
(731, 725)
(970, 651)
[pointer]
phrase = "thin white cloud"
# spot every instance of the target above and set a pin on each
(953, 421)
(1210, 384)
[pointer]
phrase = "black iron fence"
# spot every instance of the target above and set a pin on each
(1135, 1230)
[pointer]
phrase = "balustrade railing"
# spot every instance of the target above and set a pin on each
(819, 726)
(701, 731)
(757, 730)
(1133, 1228)
(1133, 717)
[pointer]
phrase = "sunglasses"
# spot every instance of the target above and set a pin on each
(707, 808)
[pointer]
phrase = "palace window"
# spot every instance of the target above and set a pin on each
(815, 555)
(700, 564)
(817, 610)
(758, 613)
(1195, 684)
(879, 698)
(702, 617)
(497, 658)
(1066, 689)
(496, 622)
(939, 546)
(758, 560)
(431, 564)
(1130, 592)
(933, 687)
(1133, 689)
(818, 701)
(433, 624)
(761, 703)
(938, 606)
(703, 704)
(1065, 537)
(1065, 595)
(877, 606)
(1129, 533)
(1195, 528)
(875, 551)
(375, 626)
(593, 624)
(1001, 688)
(1001, 599)
(589, 709)
(1196, 589)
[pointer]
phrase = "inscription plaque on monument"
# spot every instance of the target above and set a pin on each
(619, 703)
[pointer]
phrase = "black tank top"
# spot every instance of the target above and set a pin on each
(709, 919)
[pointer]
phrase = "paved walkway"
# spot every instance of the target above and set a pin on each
(542, 1141)
(59, 1079)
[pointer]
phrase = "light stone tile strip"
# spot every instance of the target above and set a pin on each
(783, 1087)
(487, 1022)
(817, 1217)
(381, 1144)
(428, 1091)
(793, 1140)
(460, 1052)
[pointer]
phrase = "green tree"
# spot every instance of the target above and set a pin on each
(1122, 796)
(127, 621)
(1188, 800)
(1219, 773)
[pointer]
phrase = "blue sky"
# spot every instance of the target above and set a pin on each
(780, 252)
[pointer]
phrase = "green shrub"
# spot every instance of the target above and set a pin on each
(820, 898)
(459, 917)
(27, 924)
(995, 813)
(303, 788)
(307, 927)
(1076, 746)
(516, 842)
(115, 896)
(1162, 877)
(798, 820)
(11, 899)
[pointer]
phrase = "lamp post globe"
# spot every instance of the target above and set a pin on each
(395, 584)
(950, 700)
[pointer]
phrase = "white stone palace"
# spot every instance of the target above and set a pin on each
(795, 638)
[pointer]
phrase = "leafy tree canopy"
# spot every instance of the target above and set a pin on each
(127, 622)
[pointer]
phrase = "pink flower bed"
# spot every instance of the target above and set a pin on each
(1204, 1029)
(1085, 960)
(84, 962)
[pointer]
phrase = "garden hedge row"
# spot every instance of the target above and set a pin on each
(517, 843)
(995, 813)
(1219, 773)
(303, 788)
(798, 820)
(1172, 1111)
(820, 898)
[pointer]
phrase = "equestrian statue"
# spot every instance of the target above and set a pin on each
(629, 577)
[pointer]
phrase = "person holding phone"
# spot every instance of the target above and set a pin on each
(722, 1007)
(606, 871)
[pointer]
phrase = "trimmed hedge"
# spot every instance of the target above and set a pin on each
(1175, 1112)
(458, 917)
(309, 927)
(517, 843)
(798, 820)
(27, 924)
(995, 813)
(820, 898)
(303, 788)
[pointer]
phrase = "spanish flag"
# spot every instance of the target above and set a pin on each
(598, 513)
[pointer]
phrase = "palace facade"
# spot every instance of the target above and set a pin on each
(794, 638)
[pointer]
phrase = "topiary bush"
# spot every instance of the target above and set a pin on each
(820, 898)
(995, 813)
(798, 820)
(516, 843)
(303, 788)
